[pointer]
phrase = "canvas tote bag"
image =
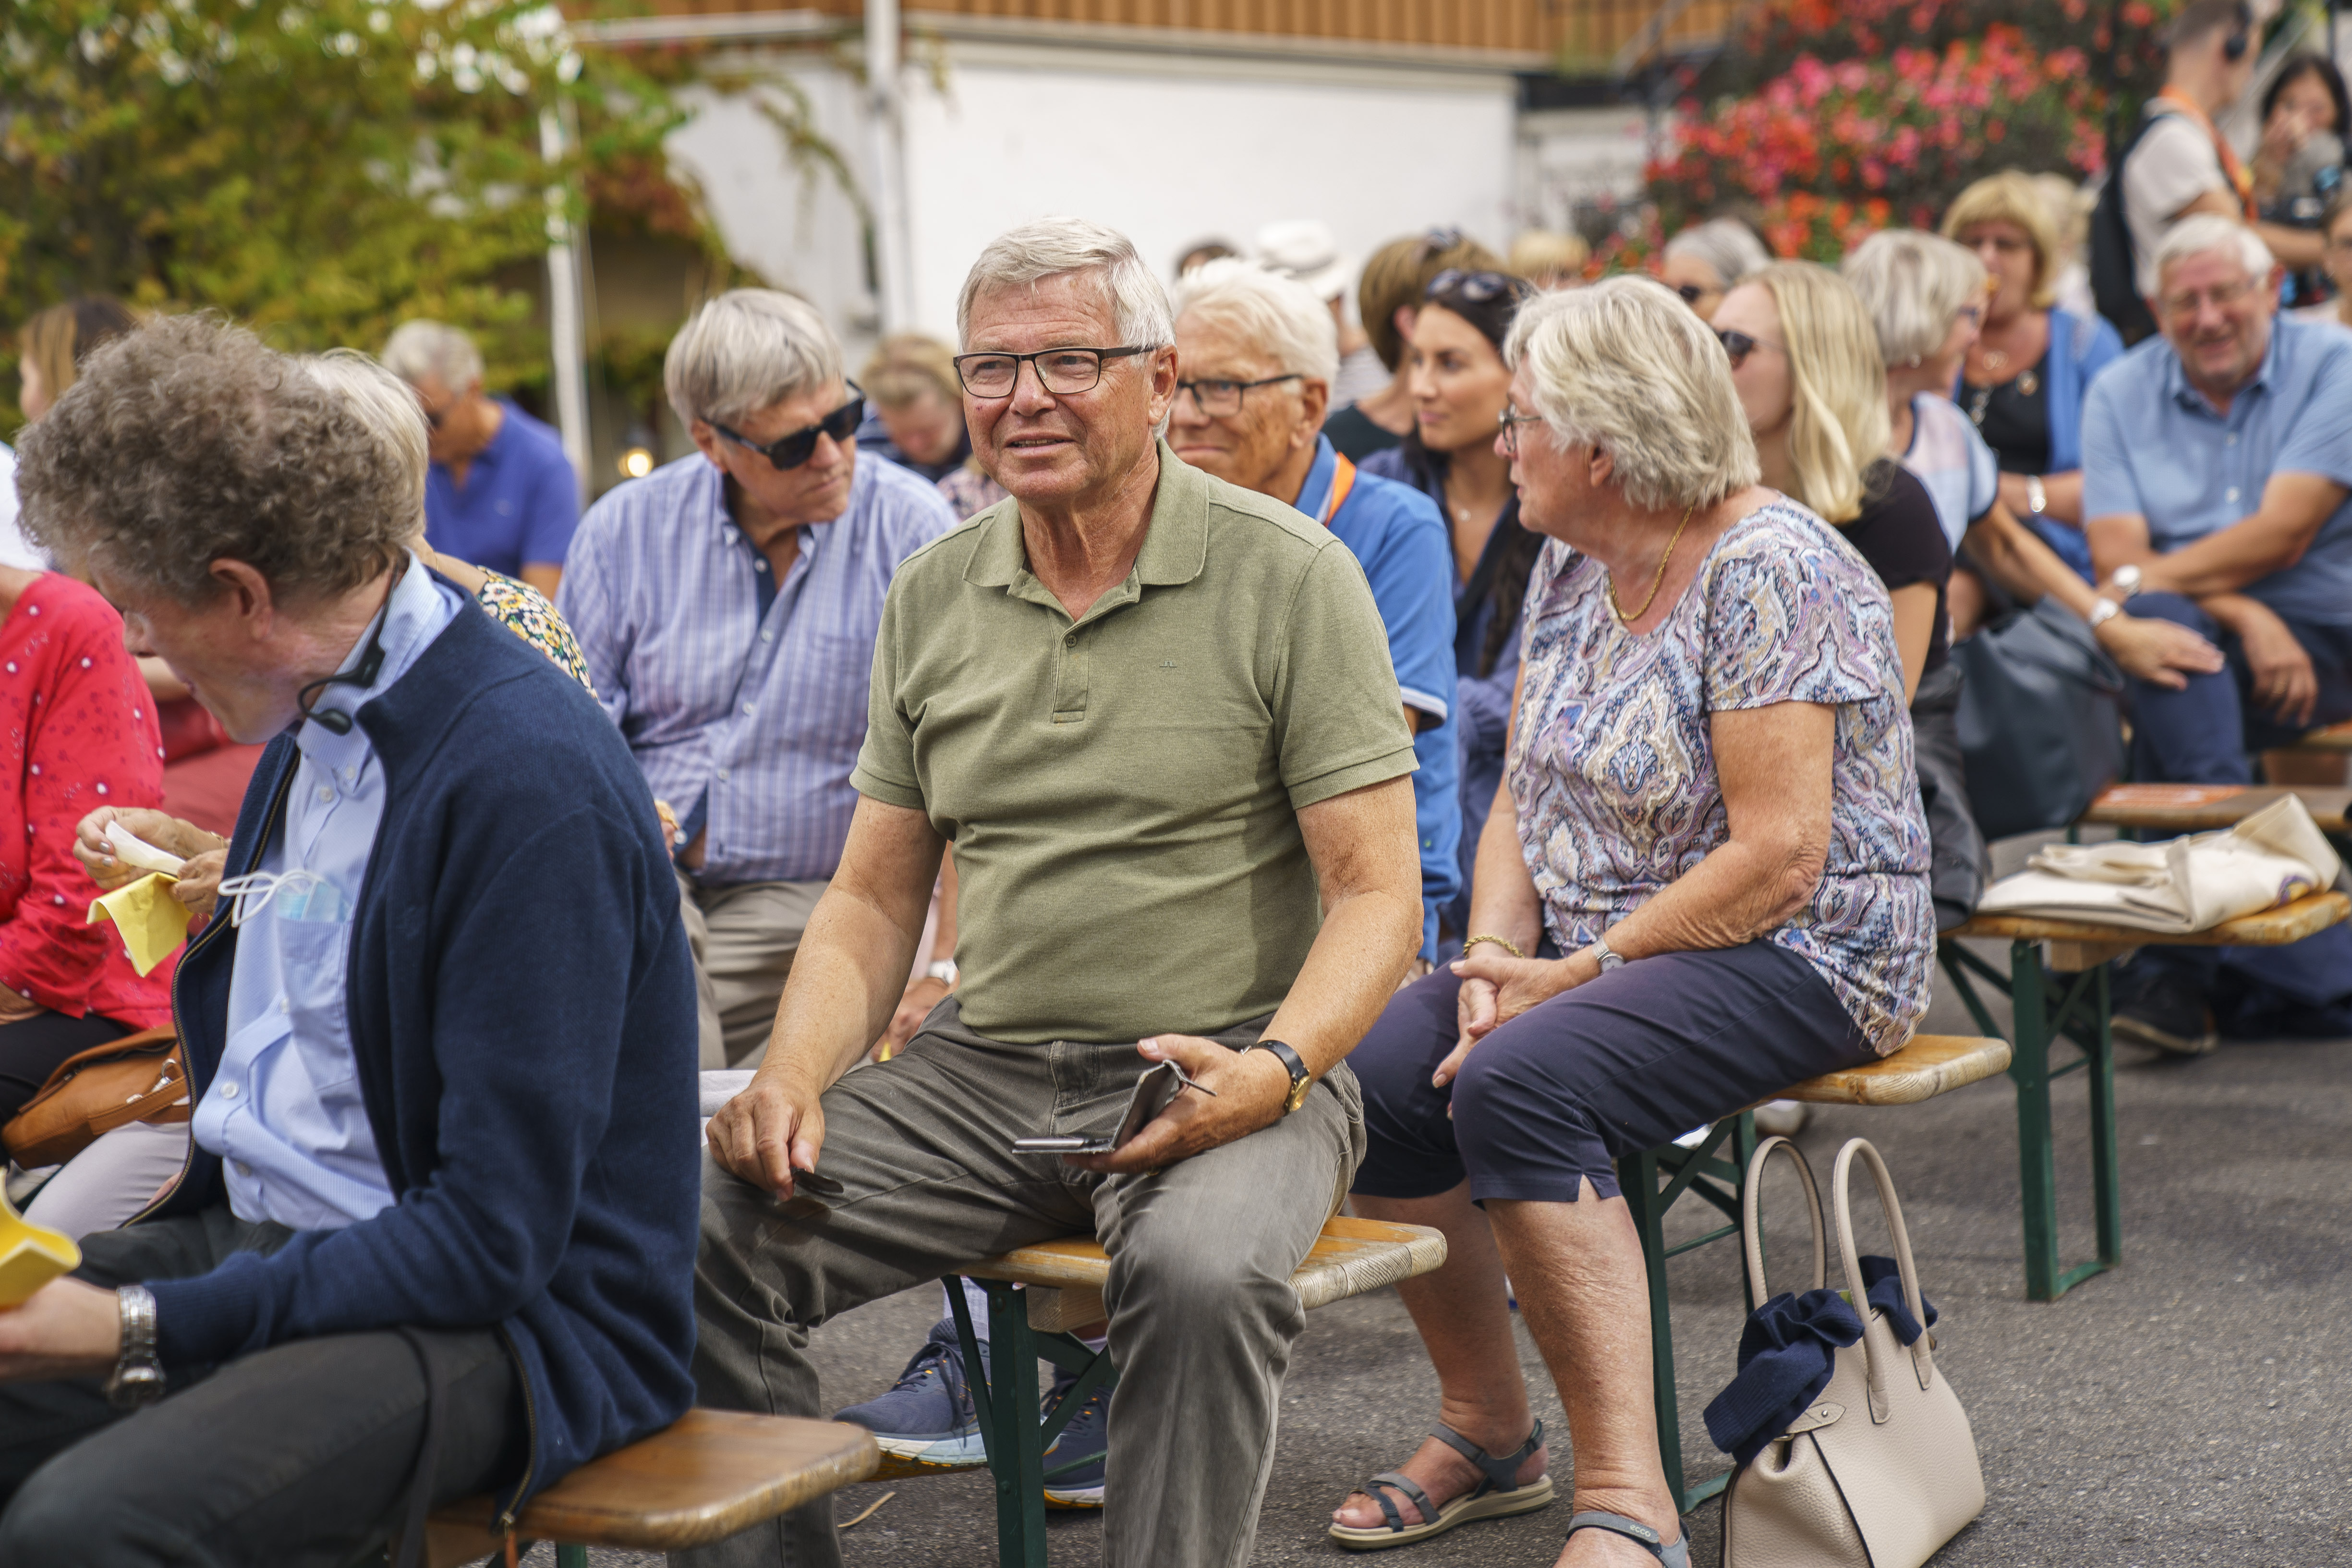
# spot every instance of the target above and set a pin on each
(1881, 1469)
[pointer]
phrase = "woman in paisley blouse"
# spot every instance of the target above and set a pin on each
(1704, 880)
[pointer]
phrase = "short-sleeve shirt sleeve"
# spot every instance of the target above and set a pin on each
(1337, 709)
(885, 762)
(2110, 489)
(2320, 440)
(1805, 625)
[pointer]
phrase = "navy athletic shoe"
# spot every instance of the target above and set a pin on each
(928, 1418)
(1081, 1443)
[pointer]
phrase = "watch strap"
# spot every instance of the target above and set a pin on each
(138, 1370)
(1606, 956)
(1301, 1081)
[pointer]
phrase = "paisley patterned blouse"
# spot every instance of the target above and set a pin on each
(1613, 765)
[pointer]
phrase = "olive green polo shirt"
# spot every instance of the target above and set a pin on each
(1122, 791)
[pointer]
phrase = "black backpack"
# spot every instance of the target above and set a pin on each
(2115, 278)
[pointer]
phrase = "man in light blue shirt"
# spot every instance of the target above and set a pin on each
(726, 605)
(2217, 474)
(284, 1111)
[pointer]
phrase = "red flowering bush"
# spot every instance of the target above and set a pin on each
(1830, 152)
(2125, 58)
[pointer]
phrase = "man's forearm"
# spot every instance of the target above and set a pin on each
(848, 979)
(1351, 972)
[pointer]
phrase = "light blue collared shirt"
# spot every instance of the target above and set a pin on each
(2153, 446)
(284, 1112)
(742, 699)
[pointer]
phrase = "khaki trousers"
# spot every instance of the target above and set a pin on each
(1202, 1313)
(743, 940)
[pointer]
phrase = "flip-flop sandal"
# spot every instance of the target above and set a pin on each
(1497, 1496)
(1675, 1556)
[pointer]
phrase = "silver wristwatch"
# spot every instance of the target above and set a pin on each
(138, 1373)
(2037, 497)
(2103, 610)
(944, 971)
(2127, 580)
(1608, 957)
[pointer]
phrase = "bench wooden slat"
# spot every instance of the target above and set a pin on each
(2200, 808)
(713, 1473)
(1353, 1256)
(1930, 1066)
(2332, 738)
(2267, 928)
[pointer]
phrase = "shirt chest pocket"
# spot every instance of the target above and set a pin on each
(313, 964)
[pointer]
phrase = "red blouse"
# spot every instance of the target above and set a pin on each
(76, 731)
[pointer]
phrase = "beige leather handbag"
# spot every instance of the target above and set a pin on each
(1881, 1469)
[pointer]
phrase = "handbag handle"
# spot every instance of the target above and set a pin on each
(1840, 1181)
(1751, 1236)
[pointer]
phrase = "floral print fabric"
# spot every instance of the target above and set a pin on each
(1613, 762)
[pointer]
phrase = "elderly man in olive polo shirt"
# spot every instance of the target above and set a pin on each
(1154, 713)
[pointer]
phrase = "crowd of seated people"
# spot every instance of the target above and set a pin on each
(1433, 781)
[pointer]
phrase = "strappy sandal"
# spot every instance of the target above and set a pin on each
(1675, 1556)
(1497, 1496)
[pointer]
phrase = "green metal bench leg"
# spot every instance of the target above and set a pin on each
(571, 1557)
(1007, 1408)
(1637, 1178)
(2028, 1069)
(2107, 1171)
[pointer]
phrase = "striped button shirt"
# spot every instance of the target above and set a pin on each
(743, 700)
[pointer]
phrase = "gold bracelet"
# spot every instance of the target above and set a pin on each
(1507, 946)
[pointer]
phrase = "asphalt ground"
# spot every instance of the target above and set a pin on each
(2189, 1406)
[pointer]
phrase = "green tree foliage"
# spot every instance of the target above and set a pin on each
(320, 169)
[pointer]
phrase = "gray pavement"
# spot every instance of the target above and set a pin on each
(2189, 1407)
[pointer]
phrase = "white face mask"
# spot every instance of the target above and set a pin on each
(307, 896)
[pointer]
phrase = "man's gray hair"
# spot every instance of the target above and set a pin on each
(188, 442)
(382, 402)
(1056, 246)
(1624, 365)
(1914, 286)
(1275, 313)
(746, 349)
(419, 352)
(1725, 244)
(2202, 232)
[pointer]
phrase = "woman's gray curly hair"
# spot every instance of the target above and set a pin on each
(189, 441)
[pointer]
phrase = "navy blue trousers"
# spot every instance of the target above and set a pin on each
(1627, 1062)
(2207, 734)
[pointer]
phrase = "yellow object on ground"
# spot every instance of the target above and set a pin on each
(153, 922)
(30, 1255)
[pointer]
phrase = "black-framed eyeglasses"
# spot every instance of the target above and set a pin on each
(791, 451)
(1693, 293)
(1065, 373)
(1508, 422)
(1739, 346)
(1477, 288)
(1220, 399)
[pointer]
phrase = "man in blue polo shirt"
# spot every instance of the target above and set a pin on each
(501, 494)
(2217, 474)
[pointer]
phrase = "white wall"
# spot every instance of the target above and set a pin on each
(1167, 149)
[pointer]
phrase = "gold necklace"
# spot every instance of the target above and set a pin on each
(1655, 583)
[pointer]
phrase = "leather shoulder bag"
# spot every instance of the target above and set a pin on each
(139, 1078)
(1879, 1469)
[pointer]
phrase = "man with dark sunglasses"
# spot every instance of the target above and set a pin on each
(727, 604)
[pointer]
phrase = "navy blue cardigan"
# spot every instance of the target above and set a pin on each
(523, 1007)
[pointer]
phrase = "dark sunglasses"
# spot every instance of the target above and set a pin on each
(1739, 346)
(791, 451)
(1477, 288)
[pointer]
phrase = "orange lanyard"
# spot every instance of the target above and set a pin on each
(1343, 479)
(2233, 169)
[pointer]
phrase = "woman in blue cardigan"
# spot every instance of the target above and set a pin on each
(2025, 380)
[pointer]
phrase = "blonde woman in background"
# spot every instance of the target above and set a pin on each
(1549, 260)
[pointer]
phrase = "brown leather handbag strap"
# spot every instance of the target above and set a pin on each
(159, 1042)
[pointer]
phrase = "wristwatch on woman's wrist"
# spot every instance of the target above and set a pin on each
(2125, 582)
(2037, 498)
(944, 971)
(138, 1372)
(1606, 956)
(2103, 610)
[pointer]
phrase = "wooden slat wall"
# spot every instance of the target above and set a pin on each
(1585, 32)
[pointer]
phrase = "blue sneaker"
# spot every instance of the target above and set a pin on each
(927, 1421)
(1082, 1442)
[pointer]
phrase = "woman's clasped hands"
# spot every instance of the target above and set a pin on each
(1498, 988)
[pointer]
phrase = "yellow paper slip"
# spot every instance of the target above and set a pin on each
(30, 1255)
(153, 922)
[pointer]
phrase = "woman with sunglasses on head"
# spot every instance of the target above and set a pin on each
(1706, 260)
(1388, 296)
(2023, 379)
(1453, 368)
(1926, 299)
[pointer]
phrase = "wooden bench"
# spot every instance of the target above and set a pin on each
(1061, 1290)
(2077, 1007)
(2329, 738)
(1928, 1066)
(2202, 809)
(712, 1473)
